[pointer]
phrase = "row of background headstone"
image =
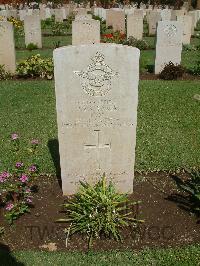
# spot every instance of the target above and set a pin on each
(85, 30)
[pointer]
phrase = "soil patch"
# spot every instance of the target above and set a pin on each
(166, 223)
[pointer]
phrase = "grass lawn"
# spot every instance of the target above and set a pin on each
(177, 257)
(168, 133)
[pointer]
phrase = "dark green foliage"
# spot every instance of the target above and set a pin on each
(99, 210)
(31, 46)
(172, 72)
(192, 188)
(140, 44)
(195, 70)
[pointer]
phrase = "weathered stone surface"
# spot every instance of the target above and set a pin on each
(187, 26)
(116, 19)
(83, 17)
(154, 17)
(135, 25)
(96, 98)
(81, 11)
(7, 47)
(32, 28)
(175, 13)
(58, 15)
(85, 32)
(165, 14)
(169, 44)
(194, 16)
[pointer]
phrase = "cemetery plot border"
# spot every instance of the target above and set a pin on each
(165, 223)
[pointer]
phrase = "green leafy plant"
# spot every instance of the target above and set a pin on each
(192, 188)
(172, 72)
(99, 210)
(1, 230)
(35, 66)
(59, 29)
(31, 46)
(140, 44)
(57, 44)
(195, 70)
(16, 184)
(189, 47)
(4, 75)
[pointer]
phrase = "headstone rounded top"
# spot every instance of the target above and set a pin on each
(101, 45)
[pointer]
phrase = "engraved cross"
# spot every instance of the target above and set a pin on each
(98, 146)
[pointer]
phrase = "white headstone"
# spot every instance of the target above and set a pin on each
(85, 32)
(187, 26)
(83, 17)
(175, 13)
(116, 19)
(193, 15)
(58, 15)
(22, 14)
(135, 26)
(96, 98)
(7, 46)
(47, 13)
(154, 17)
(169, 44)
(165, 14)
(32, 28)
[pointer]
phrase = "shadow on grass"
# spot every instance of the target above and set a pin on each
(53, 146)
(6, 257)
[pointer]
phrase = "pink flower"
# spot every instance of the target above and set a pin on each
(23, 178)
(2, 179)
(34, 141)
(9, 206)
(14, 136)
(28, 191)
(29, 200)
(32, 168)
(19, 165)
(4, 176)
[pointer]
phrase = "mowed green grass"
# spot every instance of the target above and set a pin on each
(168, 132)
(177, 257)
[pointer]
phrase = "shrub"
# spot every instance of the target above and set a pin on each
(140, 44)
(192, 189)
(16, 185)
(189, 47)
(47, 23)
(35, 66)
(4, 75)
(172, 72)
(57, 44)
(59, 29)
(32, 46)
(99, 210)
(195, 70)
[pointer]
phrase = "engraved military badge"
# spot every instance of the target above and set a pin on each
(96, 79)
(170, 30)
